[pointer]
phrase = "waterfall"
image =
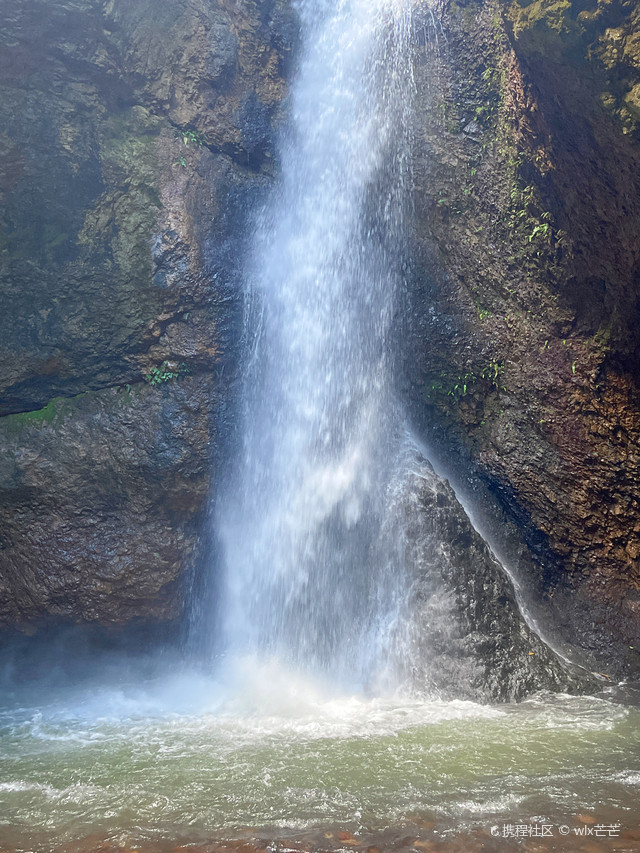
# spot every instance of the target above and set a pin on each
(306, 577)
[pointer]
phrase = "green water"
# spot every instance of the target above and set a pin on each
(185, 758)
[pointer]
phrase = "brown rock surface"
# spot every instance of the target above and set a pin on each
(526, 300)
(136, 138)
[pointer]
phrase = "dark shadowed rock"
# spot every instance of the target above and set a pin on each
(524, 353)
(221, 62)
(137, 137)
(103, 496)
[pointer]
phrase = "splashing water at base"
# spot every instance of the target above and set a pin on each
(187, 759)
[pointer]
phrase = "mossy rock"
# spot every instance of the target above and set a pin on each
(546, 27)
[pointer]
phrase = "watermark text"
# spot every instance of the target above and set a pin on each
(550, 830)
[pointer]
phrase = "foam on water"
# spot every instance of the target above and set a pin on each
(279, 749)
(252, 696)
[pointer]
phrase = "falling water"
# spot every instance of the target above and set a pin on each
(308, 578)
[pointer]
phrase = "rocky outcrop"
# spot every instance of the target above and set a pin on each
(105, 490)
(525, 332)
(136, 138)
(463, 635)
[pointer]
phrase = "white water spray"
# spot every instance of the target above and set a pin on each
(307, 577)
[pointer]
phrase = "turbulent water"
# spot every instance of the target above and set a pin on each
(308, 577)
(188, 759)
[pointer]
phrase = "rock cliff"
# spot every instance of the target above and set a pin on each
(525, 339)
(136, 137)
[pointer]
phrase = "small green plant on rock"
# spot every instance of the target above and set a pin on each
(192, 137)
(542, 228)
(493, 374)
(456, 387)
(167, 371)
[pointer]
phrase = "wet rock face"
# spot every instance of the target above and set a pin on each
(101, 497)
(525, 332)
(129, 160)
(136, 138)
(467, 638)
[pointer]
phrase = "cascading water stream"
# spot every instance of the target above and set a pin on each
(344, 557)
(307, 576)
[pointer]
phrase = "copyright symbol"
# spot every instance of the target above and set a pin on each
(564, 830)
(495, 831)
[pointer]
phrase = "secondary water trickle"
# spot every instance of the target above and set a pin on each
(307, 577)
